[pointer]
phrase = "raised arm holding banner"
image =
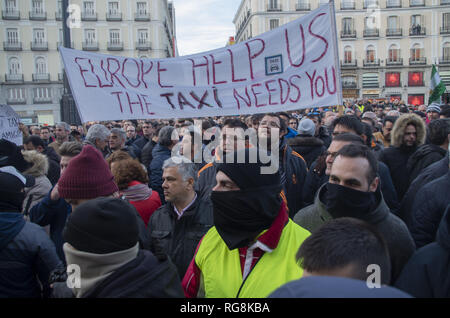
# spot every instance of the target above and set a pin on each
(292, 67)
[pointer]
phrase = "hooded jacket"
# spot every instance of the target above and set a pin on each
(143, 277)
(308, 147)
(396, 157)
(424, 156)
(27, 256)
(428, 208)
(42, 185)
(394, 231)
(427, 272)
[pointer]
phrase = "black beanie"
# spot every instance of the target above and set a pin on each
(101, 226)
(248, 175)
(11, 193)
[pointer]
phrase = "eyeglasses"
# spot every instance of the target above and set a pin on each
(332, 154)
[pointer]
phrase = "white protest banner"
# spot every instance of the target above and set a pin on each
(294, 66)
(9, 125)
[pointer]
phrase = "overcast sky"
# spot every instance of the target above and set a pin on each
(204, 25)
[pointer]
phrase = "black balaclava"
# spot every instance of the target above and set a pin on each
(342, 201)
(239, 216)
(11, 193)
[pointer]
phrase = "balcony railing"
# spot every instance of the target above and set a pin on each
(370, 4)
(113, 16)
(349, 64)
(39, 46)
(371, 63)
(394, 32)
(58, 15)
(141, 16)
(416, 3)
(16, 101)
(445, 29)
(14, 77)
(394, 4)
(12, 46)
(417, 31)
(42, 100)
(348, 5)
(397, 62)
(90, 46)
(38, 15)
(143, 46)
(58, 44)
(11, 14)
(60, 77)
(444, 60)
(418, 61)
(303, 6)
(89, 16)
(351, 85)
(41, 77)
(276, 7)
(371, 33)
(444, 2)
(115, 46)
(348, 34)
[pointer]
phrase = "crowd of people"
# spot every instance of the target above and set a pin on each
(357, 206)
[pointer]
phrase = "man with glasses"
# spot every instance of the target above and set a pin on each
(292, 166)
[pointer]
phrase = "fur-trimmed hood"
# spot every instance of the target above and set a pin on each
(398, 131)
(39, 161)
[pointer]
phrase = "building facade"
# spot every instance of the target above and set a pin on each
(386, 47)
(31, 70)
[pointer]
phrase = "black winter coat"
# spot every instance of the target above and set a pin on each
(428, 209)
(308, 147)
(143, 277)
(396, 159)
(427, 273)
(424, 156)
(324, 135)
(178, 238)
(146, 155)
(429, 174)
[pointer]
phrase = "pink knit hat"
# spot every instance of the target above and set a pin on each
(87, 176)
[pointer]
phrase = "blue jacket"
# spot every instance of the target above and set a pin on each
(27, 256)
(54, 214)
(291, 133)
(160, 154)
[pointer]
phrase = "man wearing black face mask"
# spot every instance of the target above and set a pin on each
(251, 249)
(353, 190)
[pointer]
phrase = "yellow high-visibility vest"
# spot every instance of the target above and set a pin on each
(221, 268)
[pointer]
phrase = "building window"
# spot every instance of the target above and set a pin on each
(40, 65)
(370, 3)
(38, 36)
(349, 82)
(415, 79)
(347, 25)
(415, 3)
(446, 51)
(89, 36)
(89, 7)
(394, 53)
(14, 66)
(416, 53)
(417, 25)
(393, 79)
(393, 3)
(113, 7)
(370, 80)
(348, 54)
(274, 23)
(370, 54)
(141, 8)
(37, 6)
(142, 36)
(12, 36)
(416, 99)
(10, 6)
(114, 36)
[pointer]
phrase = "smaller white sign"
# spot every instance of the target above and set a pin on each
(9, 125)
